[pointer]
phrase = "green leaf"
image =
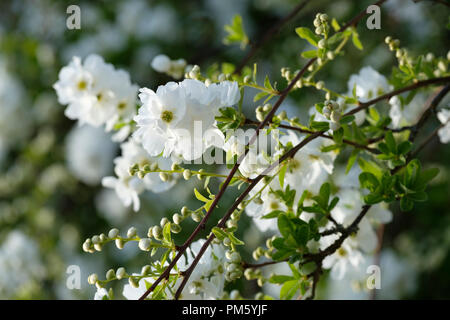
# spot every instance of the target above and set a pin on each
(406, 204)
(289, 289)
(272, 214)
(338, 135)
(259, 96)
(368, 181)
(347, 119)
(219, 233)
(307, 34)
(335, 24)
(309, 54)
(235, 240)
(425, 177)
(282, 175)
(404, 147)
(284, 225)
(356, 41)
(235, 32)
(370, 166)
(390, 142)
(302, 235)
(279, 279)
(351, 160)
(166, 233)
(199, 196)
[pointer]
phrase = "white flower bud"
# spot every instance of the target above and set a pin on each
(334, 126)
(321, 44)
(145, 244)
(157, 232)
(235, 257)
(162, 223)
(95, 239)
(177, 218)
(119, 243)
(113, 233)
(335, 116)
(120, 273)
(146, 270)
(163, 176)
(187, 174)
(131, 233)
(93, 278)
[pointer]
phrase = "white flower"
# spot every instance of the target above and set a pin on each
(129, 187)
(208, 278)
(89, 153)
(406, 115)
(179, 118)
(174, 68)
(444, 132)
(161, 63)
(368, 84)
(101, 294)
(95, 92)
(344, 259)
(21, 265)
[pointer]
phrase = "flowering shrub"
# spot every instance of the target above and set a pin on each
(313, 188)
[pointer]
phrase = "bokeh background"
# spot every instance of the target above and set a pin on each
(51, 198)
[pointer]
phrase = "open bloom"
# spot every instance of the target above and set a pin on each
(95, 92)
(179, 118)
(129, 187)
(368, 84)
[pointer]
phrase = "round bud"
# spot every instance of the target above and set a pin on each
(157, 232)
(146, 270)
(235, 257)
(93, 278)
(321, 44)
(320, 85)
(331, 55)
(187, 174)
(95, 239)
(162, 223)
(120, 273)
(196, 217)
(145, 244)
(226, 242)
(163, 176)
(388, 39)
(175, 228)
(246, 79)
(133, 282)
(324, 17)
(110, 274)
(185, 211)
(177, 218)
(119, 243)
(131, 233)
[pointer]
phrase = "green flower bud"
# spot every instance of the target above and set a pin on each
(185, 211)
(133, 282)
(175, 228)
(226, 242)
(110, 274)
(146, 270)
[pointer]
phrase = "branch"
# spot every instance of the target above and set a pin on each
(418, 84)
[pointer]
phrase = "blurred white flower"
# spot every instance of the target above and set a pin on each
(406, 115)
(95, 92)
(89, 153)
(368, 84)
(444, 132)
(20, 263)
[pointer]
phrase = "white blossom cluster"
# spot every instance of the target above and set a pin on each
(96, 93)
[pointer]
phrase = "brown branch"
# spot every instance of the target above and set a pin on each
(419, 84)
(269, 34)
(346, 141)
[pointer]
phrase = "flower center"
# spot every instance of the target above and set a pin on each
(167, 116)
(342, 252)
(121, 105)
(273, 205)
(82, 85)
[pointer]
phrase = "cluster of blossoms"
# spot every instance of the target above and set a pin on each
(179, 123)
(179, 118)
(97, 94)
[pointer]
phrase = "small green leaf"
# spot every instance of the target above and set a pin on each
(279, 279)
(307, 34)
(199, 196)
(219, 233)
(289, 289)
(166, 233)
(356, 41)
(309, 54)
